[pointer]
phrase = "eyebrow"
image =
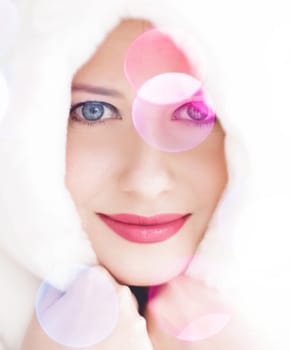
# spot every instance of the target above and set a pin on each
(98, 90)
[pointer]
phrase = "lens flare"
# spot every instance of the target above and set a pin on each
(172, 113)
(153, 53)
(187, 309)
(81, 316)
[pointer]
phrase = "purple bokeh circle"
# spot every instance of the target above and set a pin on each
(83, 315)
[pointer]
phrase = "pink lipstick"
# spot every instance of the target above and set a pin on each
(142, 229)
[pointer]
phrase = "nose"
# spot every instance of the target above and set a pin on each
(147, 172)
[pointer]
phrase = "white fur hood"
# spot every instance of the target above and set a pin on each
(247, 60)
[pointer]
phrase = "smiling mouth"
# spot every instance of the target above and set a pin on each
(141, 229)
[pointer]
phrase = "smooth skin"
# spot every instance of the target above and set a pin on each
(110, 169)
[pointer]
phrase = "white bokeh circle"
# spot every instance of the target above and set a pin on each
(9, 25)
(4, 96)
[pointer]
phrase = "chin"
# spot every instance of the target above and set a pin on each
(144, 275)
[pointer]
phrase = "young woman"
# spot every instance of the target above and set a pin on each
(111, 170)
(154, 219)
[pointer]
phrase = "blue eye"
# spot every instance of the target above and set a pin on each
(195, 111)
(92, 112)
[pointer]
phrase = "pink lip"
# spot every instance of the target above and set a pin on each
(141, 229)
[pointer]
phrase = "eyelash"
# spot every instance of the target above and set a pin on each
(117, 115)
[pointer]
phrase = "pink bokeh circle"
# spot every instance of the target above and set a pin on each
(172, 113)
(187, 309)
(205, 327)
(152, 53)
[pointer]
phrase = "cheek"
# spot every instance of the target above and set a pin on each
(215, 172)
(209, 171)
(88, 165)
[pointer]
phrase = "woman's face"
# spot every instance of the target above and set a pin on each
(111, 170)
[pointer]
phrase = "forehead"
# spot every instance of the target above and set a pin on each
(152, 54)
(110, 54)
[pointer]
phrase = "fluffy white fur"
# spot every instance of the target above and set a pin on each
(247, 70)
